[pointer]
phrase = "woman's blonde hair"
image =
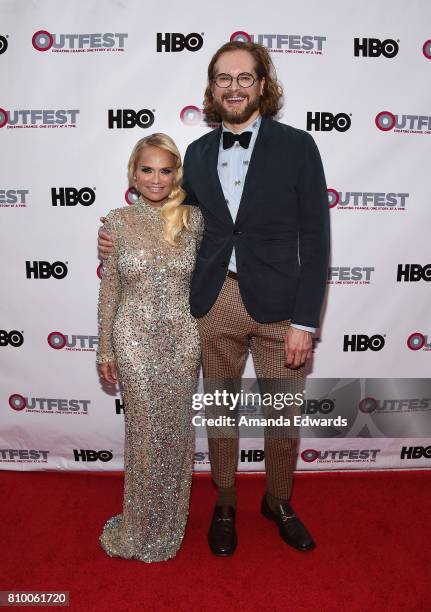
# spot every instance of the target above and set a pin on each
(173, 212)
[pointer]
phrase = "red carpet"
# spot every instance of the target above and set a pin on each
(372, 532)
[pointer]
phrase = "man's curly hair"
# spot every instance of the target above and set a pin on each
(271, 99)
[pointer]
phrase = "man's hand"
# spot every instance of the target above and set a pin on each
(108, 371)
(105, 243)
(298, 346)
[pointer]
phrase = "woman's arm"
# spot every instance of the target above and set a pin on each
(109, 293)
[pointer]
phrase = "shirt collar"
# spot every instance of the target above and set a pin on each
(251, 127)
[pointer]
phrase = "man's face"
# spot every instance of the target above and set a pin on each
(236, 104)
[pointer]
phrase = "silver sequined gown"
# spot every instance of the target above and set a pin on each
(145, 326)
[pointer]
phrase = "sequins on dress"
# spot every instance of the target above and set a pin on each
(145, 325)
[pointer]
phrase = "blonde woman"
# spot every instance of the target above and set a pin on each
(149, 342)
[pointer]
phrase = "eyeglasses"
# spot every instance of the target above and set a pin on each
(245, 79)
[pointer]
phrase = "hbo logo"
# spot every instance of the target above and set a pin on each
(413, 272)
(324, 406)
(128, 118)
(14, 338)
(175, 42)
(373, 47)
(325, 122)
(415, 452)
(69, 196)
(43, 269)
(361, 342)
(92, 455)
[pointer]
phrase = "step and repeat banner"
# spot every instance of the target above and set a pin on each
(82, 81)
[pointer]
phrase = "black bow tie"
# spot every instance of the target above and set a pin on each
(229, 139)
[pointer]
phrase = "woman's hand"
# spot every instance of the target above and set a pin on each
(105, 243)
(108, 371)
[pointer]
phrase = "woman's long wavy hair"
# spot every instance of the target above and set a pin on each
(271, 99)
(173, 212)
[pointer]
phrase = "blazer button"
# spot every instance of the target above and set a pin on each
(237, 232)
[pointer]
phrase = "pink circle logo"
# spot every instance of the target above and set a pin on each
(385, 121)
(241, 36)
(57, 340)
(42, 40)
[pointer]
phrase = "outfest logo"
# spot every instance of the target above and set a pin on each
(369, 405)
(419, 341)
(38, 118)
(72, 342)
(131, 196)
(357, 455)
(48, 405)
(42, 40)
(366, 200)
(349, 275)
(13, 198)
(284, 43)
(387, 121)
(193, 116)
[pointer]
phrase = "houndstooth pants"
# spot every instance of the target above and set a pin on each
(227, 335)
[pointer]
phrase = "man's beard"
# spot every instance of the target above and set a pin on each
(236, 117)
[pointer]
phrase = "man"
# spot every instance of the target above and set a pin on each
(260, 273)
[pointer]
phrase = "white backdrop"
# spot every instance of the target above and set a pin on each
(54, 413)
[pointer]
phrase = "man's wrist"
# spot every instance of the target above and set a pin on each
(303, 327)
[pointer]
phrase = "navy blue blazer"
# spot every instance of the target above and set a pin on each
(281, 232)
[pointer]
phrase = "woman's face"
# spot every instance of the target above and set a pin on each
(155, 173)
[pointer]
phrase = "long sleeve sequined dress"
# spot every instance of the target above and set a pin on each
(145, 326)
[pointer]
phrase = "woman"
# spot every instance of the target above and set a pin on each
(149, 341)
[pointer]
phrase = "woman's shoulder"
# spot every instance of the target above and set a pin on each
(117, 216)
(196, 219)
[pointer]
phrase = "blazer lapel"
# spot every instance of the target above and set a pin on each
(215, 188)
(255, 169)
